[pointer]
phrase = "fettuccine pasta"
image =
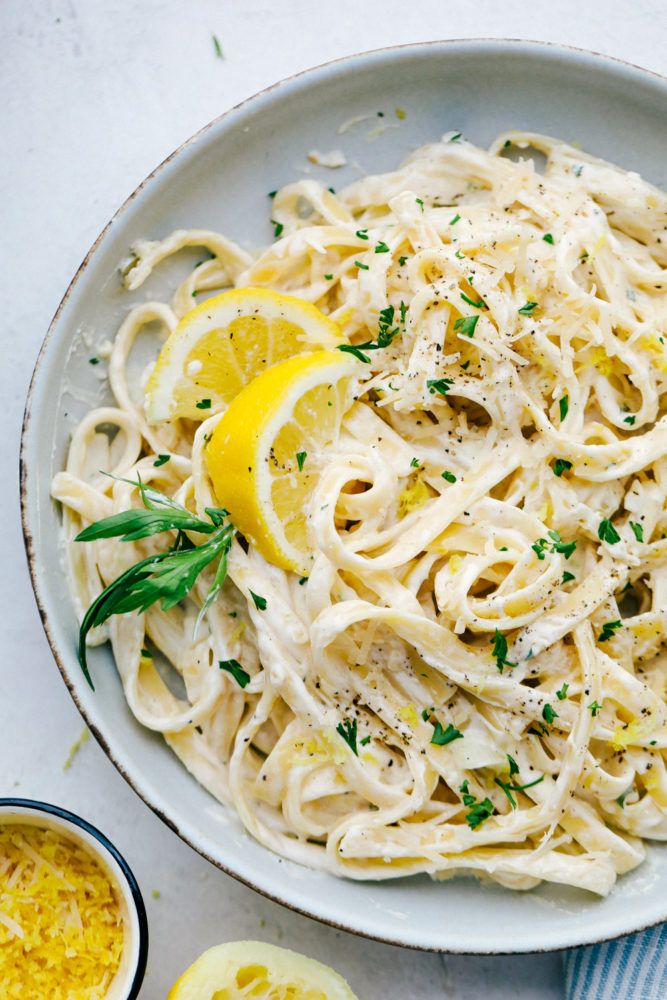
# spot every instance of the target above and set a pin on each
(472, 677)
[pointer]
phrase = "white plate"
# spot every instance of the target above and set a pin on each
(220, 180)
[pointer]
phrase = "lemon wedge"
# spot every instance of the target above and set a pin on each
(267, 451)
(243, 969)
(226, 341)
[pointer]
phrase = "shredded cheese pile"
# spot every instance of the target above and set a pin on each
(61, 933)
(472, 679)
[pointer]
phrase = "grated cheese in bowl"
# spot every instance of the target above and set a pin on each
(72, 925)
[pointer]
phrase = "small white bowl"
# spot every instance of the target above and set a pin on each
(29, 812)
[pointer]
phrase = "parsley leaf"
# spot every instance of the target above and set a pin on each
(440, 385)
(549, 714)
(607, 532)
(233, 667)
(637, 530)
(477, 303)
(562, 694)
(348, 730)
(161, 460)
(259, 602)
(479, 812)
(560, 466)
(441, 737)
(203, 404)
(466, 325)
(608, 630)
(449, 476)
(500, 651)
(301, 458)
(528, 308)
(508, 787)
(563, 406)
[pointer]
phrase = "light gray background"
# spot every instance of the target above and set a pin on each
(93, 95)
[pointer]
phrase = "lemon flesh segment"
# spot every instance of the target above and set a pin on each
(267, 451)
(225, 342)
(243, 969)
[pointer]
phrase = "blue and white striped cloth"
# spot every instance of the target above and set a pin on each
(631, 968)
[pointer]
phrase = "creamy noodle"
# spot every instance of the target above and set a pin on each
(487, 604)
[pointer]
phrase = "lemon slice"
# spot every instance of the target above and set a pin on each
(242, 970)
(226, 341)
(266, 452)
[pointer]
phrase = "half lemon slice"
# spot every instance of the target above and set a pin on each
(251, 969)
(226, 341)
(267, 451)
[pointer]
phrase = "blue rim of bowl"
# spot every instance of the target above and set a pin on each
(537, 46)
(47, 808)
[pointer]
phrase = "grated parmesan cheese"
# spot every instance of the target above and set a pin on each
(61, 930)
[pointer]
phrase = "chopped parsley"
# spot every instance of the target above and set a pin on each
(560, 466)
(420, 202)
(382, 247)
(548, 238)
(457, 218)
(204, 404)
(500, 651)
(508, 786)
(557, 545)
(348, 730)
(93, 361)
(277, 228)
(328, 277)
(161, 460)
(563, 406)
(562, 694)
(608, 630)
(233, 667)
(260, 602)
(567, 576)
(401, 261)
(629, 420)
(217, 47)
(466, 325)
(477, 303)
(594, 708)
(449, 476)
(528, 309)
(415, 463)
(301, 458)
(607, 532)
(549, 714)
(362, 267)
(637, 530)
(362, 234)
(441, 737)
(479, 811)
(440, 385)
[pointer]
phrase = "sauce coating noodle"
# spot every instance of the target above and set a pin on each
(472, 678)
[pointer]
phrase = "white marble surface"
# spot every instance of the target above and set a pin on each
(95, 93)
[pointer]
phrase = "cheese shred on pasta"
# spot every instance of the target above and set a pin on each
(472, 678)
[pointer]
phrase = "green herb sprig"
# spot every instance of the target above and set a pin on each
(166, 576)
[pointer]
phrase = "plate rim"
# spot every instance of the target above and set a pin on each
(580, 55)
